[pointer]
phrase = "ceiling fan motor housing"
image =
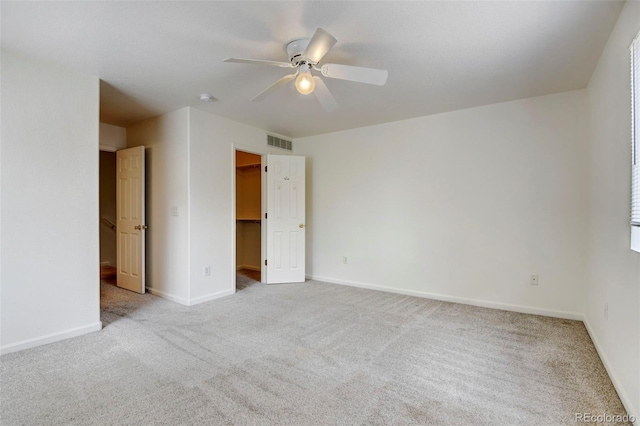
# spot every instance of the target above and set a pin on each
(295, 50)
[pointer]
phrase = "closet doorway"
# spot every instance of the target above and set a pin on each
(248, 219)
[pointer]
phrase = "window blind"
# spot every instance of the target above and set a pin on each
(635, 130)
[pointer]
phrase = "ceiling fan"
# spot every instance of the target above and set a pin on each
(304, 56)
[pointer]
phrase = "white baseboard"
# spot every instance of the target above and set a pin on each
(106, 263)
(626, 401)
(455, 299)
(50, 338)
(167, 296)
(248, 267)
(211, 296)
(191, 302)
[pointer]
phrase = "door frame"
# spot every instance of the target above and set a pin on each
(262, 152)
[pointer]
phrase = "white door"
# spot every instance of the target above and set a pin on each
(130, 223)
(285, 219)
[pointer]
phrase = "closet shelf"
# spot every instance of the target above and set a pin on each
(247, 166)
(248, 219)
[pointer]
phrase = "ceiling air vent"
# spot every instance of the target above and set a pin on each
(279, 143)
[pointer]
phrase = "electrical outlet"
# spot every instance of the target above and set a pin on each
(345, 260)
(533, 280)
(174, 211)
(606, 311)
(207, 271)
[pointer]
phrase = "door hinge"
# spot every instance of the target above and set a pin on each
(265, 262)
(265, 215)
(265, 169)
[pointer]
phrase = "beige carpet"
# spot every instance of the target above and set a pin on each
(308, 354)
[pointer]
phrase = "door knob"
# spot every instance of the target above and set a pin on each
(301, 225)
(145, 227)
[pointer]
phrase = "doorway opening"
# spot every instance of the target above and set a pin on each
(107, 190)
(122, 217)
(248, 219)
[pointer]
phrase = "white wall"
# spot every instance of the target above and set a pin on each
(212, 240)
(461, 206)
(613, 270)
(190, 164)
(167, 239)
(112, 138)
(49, 187)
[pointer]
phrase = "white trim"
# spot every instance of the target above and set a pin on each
(263, 211)
(234, 226)
(455, 299)
(189, 284)
(212, 296)
(191, 302)
(635, 238)
(624, 398)
(634, 49)
(50, 338)
(167, 296)
(105, 263)
(249, 267)
(636, 38)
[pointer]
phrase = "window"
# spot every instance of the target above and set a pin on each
(635, 131)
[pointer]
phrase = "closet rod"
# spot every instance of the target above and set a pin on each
(249, 220)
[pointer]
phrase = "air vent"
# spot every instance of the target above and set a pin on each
(279, 143)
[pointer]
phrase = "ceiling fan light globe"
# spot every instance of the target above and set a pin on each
(305, 84)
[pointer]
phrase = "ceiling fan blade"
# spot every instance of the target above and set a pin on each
(259, 62)
(275, 86)
(359, 74)
(323, 94)
(319, 45)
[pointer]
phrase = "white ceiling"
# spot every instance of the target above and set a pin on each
(155, 57)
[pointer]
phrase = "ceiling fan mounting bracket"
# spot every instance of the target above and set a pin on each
(295, 51)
